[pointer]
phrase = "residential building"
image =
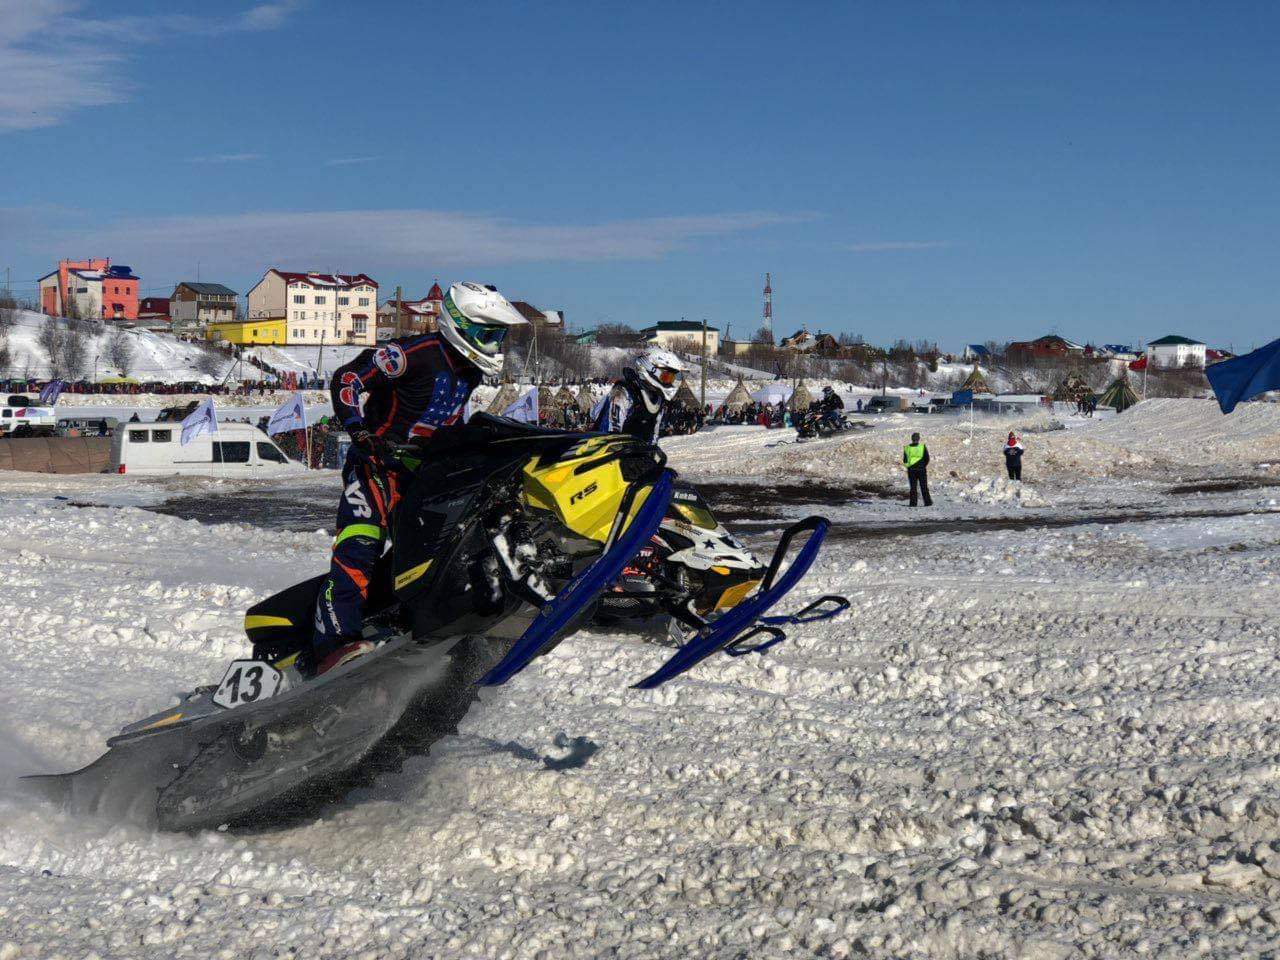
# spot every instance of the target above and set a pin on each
(416, 316)
(682, 336)
(1043, 348)
(194, 305)
(311, 308)
(737, 348)
(544, 321)
(153, 314)
(92, 289)
(976, 352)
(1176, 351)
(249, 332)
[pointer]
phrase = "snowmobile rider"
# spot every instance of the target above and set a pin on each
(1013, 457)
(832, 407)
(915, 456)
(637, 402)
(409, 387)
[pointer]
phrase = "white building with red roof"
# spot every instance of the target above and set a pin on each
(318, 307)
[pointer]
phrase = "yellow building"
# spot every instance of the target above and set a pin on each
(244, 332)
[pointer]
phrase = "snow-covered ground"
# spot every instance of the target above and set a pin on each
(1045, 729)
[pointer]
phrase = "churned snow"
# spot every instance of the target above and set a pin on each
(1048, 737)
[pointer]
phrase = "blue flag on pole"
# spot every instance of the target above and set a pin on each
(49, 395)
(1243, 377)
(203, 419)
(292, 415)
(525, 410)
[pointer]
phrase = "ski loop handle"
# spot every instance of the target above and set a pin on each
(739, 647)
(813, 612)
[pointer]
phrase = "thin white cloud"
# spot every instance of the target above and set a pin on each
(55, 57)
(225, 158)
(373, 240)
(883, 246)
(348, 161)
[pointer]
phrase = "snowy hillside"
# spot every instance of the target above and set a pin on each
(157, 358)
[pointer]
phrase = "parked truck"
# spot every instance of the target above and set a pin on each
(20, 418)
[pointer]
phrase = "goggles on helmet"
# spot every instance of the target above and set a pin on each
(485, 336)
(667, 376)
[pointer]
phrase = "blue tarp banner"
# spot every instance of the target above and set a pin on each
(1243, 377)
(962, 398)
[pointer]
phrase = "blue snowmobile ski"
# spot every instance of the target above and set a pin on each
(734, 630)
(563, 610)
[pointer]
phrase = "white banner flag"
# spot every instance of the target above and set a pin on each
(292, 415)
(525, 410)
(203, 419)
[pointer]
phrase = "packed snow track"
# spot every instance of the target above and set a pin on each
(1049, 741)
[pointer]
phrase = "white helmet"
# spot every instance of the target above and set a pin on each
(474, 319)
(661, 370)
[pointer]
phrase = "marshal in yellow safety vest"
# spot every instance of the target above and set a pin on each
(913, 453)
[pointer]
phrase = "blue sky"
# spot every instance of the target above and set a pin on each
(947, 171)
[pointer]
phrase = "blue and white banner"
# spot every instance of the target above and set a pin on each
(524, 410)
(203, 419)
(52, 390)
(292, 415)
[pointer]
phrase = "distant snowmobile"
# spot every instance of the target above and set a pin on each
(500, 552)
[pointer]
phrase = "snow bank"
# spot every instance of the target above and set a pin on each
(1000, 490)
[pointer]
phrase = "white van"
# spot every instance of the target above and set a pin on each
(236, 450)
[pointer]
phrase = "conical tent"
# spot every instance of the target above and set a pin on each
(800, 399)
(1119, 396)
(586, 399)
(1073, 388)
(685, 397)
(565, 397)
(546, 400)
(975, 382)
(507, 394)
(738, 397)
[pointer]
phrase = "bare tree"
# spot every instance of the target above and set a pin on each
(52, 333)
(120, 351)
(8, 312)
(75, 353)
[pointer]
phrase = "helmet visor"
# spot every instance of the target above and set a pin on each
(487, 338)
(667, 376)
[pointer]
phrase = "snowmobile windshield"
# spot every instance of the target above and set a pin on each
(696, 515)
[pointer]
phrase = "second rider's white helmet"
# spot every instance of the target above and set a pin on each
(474, 319)
(661, 369)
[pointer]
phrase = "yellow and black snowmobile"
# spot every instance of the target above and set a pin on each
(500, 550)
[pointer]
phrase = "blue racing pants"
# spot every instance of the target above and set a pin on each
(370, 491)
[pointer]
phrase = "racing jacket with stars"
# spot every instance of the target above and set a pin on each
(408, 387)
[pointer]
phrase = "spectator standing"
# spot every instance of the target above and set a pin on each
(915, 457)
(1013, 451)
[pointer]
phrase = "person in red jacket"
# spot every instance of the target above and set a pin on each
(408, 387)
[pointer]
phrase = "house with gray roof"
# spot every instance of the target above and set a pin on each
(194, 305)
